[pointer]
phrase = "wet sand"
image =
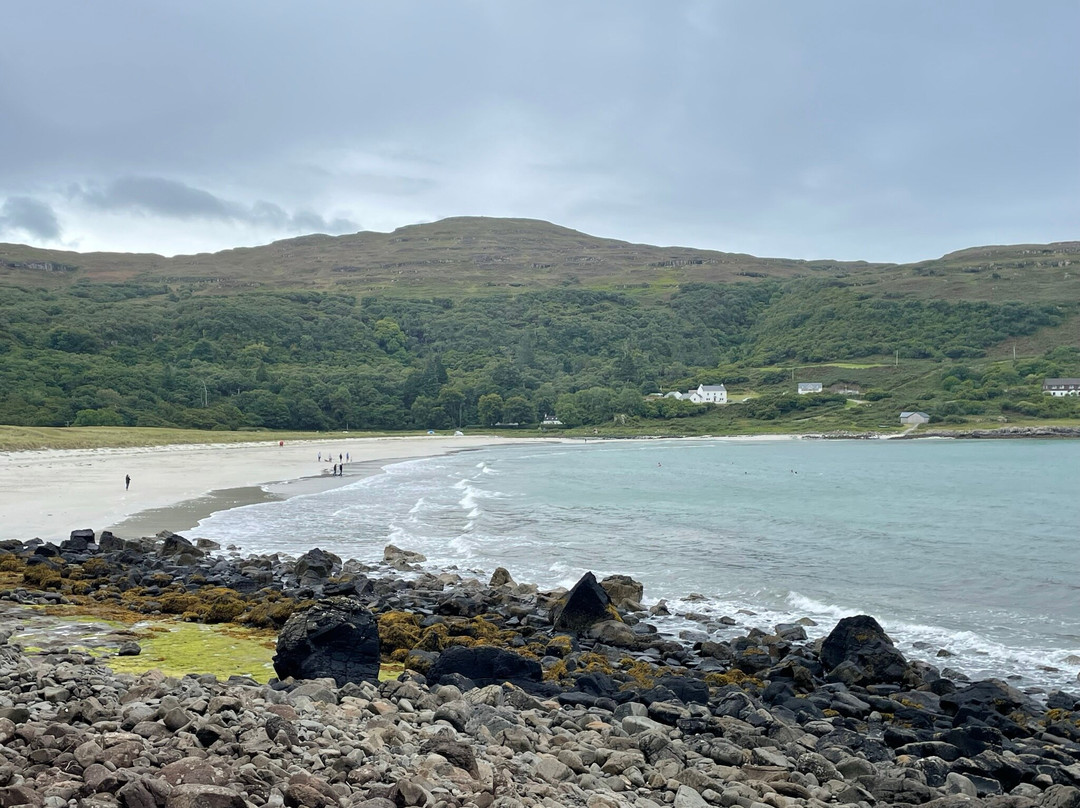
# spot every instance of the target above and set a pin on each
(47, 494)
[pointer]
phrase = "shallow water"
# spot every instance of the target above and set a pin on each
(967, 547)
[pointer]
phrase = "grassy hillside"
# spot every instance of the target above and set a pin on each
(474, 320)
(465, 255)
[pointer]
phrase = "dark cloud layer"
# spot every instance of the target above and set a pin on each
(22, 215)
(843, 129)
(155, 196)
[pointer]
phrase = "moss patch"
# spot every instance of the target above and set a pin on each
(180, 648)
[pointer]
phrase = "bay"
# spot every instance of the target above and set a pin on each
(964, 550)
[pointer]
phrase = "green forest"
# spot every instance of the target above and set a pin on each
(150, 353)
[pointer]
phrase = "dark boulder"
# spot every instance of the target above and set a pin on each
(336, 638)
(587, 603)
(108, 542)
(80, 541)
(688, 689)
(457, 753)
(315, 566)
(179, 549)
(596, 684)
(870, 655)
(485, 665)
(986, 696)
(1060, 700)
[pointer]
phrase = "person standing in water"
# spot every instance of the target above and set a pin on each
(127, 481)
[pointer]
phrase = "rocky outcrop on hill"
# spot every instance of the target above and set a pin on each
(499, 707)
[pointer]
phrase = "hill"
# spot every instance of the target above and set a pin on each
(474, 320)
(477, 255)
(458, 255)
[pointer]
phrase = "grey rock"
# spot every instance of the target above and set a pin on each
(204, 796)
(687, 797)
(1060, 796)
(956, 783)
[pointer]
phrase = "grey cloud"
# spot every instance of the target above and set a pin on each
(160, 197)
(695, 120)
(156, 196)
(27, 215)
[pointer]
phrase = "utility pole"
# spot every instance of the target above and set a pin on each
(204, 397)
(896, 362)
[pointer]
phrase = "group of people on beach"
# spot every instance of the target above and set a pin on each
(339, 466)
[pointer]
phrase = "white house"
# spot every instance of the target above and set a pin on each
(809, 387)
(709, 394)
(908, 417)
(1061, 387)
(550, 420)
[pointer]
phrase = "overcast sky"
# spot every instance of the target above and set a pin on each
(855, 130)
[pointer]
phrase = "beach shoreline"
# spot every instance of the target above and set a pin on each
(48, 493)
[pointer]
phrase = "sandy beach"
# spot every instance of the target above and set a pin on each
(47, 494)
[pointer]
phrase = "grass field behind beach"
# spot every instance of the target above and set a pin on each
(24, 438)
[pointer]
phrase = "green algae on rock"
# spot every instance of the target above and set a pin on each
(180, 648)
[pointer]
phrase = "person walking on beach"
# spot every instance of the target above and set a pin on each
(127, 481)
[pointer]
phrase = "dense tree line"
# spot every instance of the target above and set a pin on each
(144, 354)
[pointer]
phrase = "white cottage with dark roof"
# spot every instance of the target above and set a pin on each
(709, 394)
(1061, 387)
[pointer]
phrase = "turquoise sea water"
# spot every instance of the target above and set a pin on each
(965, 547)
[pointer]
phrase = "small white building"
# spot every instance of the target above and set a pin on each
(709, 394)
(1061, 387)
(550, 420)
(809, 387)
(909, 417)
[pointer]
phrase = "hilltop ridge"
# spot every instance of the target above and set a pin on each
(470, 255)
(465, 253)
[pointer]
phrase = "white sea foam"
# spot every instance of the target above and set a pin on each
(730, 520)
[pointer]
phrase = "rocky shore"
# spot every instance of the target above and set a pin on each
(1003, 432)
(507, 696)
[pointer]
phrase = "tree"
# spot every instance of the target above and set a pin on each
(629, 402)
(489, 409)
(105, 417)
(518, 410)
(307, 415)
(389, 336)
(452, 400)
(341, 404)
(596, 404)
(74, 340)
(568, 411)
